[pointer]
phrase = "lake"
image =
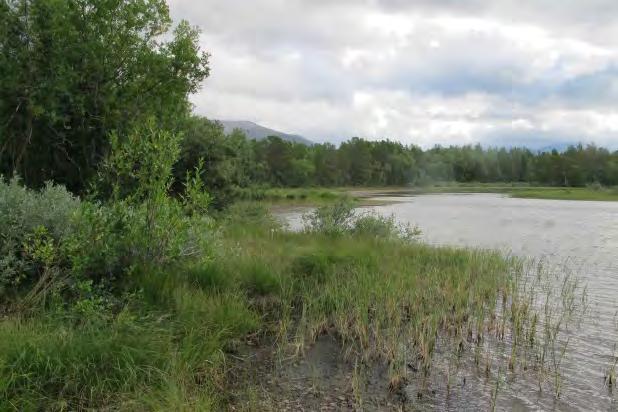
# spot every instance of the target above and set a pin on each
(577, 236)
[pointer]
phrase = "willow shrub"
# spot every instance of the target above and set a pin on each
(31, 221)
(51, 241)
(340, 218)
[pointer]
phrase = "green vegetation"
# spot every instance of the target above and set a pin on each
(571, 193)
(140, 301)
(122, 289)
(74, 71)
(590, 192)
(235, 162)
(292, 196)
(364, 195)
(158, 331)
(317, 196)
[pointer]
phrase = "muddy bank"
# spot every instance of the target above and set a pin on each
(320, 380)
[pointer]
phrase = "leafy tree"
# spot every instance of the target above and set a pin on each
(326, 167)
(72, 71)
(233, 161)
(223, 158)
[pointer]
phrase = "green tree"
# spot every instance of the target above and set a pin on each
(327, 171)
(225, 158)
(72, 71)
(356, 161)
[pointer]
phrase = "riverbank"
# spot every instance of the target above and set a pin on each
(367, 296)
(529, 192)
(366, 196)
(573, 193)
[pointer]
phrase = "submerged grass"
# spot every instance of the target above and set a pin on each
(519, 190)
(571, 193)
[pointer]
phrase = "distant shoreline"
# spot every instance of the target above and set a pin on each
(315, 196)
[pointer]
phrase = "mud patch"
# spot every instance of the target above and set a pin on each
(322, 380)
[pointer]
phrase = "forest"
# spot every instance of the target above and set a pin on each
(361, 162)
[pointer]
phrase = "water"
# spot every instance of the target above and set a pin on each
(581, 235)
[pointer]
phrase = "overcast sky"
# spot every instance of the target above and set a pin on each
(512, 72)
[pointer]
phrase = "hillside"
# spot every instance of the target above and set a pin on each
(257, 132)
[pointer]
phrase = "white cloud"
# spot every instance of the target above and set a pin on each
(421, 71)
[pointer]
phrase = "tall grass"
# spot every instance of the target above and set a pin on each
(164, 348)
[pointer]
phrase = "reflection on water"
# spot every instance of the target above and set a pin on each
(581, 236)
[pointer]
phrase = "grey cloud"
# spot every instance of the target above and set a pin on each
(302, 66)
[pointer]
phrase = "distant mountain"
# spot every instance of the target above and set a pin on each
(257, 132)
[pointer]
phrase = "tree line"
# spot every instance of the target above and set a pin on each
(234, 160)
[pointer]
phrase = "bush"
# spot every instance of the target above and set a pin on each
(51, 237)
(340, 218)
(332, 220)
(31, 221)
(384, 227)
(114, 238)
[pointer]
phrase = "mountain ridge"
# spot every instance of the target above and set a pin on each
(259, 132)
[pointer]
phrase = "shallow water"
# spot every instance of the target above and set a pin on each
(580, 235)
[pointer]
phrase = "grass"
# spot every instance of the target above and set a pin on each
(532, 192)
(169, 346)
(293, 196)
(167, 357)
(573, 193)
(594, 193)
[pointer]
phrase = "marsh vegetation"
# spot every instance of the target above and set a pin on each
(171, 306)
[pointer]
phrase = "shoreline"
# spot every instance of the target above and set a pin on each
(364, 195)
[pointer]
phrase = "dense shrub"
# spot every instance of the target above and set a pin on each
(384, 227)
(340, 218)
(31, 221)
(335, 219)
(142, 224)
(49, 237)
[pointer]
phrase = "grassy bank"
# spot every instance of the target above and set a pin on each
(515, 190)
(168, 338)
(530, 192)
(363, 195)
(164, 344)
(597, 193)
(572, 193)
(301, 196)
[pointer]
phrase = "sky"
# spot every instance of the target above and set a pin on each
(425, 72)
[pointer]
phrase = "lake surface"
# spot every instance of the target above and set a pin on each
(582, 236)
